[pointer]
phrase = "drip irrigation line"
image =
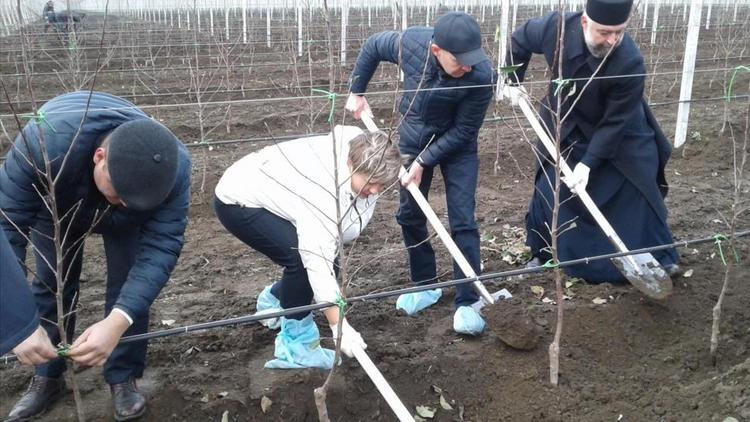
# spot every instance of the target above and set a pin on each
(387, 294)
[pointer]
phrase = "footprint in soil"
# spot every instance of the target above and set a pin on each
(512, 324)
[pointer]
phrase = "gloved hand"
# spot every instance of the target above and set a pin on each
(579, 179)
(411, 303)
(467, 320)
(514, 93)
(350, 338)
(357, 104)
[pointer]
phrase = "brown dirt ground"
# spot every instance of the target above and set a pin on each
(629, 359)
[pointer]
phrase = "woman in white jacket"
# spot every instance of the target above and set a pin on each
(290, 201)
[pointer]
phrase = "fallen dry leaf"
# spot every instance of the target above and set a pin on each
(426, 412)
(599, 301)
(538, 291)
(265, 404)
(444, 403)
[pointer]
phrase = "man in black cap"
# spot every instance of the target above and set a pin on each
(127, 177)
(610, 137)
(447, 88)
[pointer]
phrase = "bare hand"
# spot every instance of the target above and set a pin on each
(413, 176)
(94, 346)
(357, 104)
(36, 349)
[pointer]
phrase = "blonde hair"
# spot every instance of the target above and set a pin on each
(374, 155)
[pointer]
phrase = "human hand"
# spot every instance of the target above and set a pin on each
(93, 347)
(350, 338)
(514, 93)
(36, 349)
(414, 175)
(357, 104)
(579, 179)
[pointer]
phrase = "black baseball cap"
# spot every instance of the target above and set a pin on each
(459, 34)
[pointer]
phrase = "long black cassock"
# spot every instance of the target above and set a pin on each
(611, 129)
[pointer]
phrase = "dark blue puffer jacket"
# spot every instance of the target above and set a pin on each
(161, 229)
(18, 315)
(446, 119)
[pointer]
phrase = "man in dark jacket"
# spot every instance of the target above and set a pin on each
(447, 88)
(610, 137)
(120, 174)
(19, 320)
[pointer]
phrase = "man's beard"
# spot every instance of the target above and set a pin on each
(598, 50)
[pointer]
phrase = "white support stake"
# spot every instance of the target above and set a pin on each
(443, 234)
(344, 24)
(244, 21)
(403, 15)
(299, 28)
(688, 68)
(708, 15)
(502, 48)
(268, 26)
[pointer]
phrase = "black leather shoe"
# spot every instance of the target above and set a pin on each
(41, 393)
(534, 263)
(129, 402)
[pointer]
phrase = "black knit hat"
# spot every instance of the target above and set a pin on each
(459, 34)
(142, 163)
(609, 12)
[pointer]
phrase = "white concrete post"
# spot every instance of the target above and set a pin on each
(688, 68)
(655, 23)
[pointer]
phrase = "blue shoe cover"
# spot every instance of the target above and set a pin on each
(266, 303)
(467, 320)
(412, 303)
(298, 346)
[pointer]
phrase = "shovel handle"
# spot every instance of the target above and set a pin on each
(402, 413)
(607, 228)
(459, 257)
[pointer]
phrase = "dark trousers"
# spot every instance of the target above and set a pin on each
(460, 177)
(127, 360)
(277, 239)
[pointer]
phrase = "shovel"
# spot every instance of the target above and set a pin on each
(463, 264)
(642, 270)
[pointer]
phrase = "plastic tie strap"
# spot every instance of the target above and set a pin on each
(62, 351)
(550, 264)
(560, 83)
(39, 118)
(332, 98)
(721, 238)
(731, 80)
(341, 303)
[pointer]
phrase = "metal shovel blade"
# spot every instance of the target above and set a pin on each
(644, 272)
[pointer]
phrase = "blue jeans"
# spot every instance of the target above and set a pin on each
(460, 177)
(277, 239)
(120, 246)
